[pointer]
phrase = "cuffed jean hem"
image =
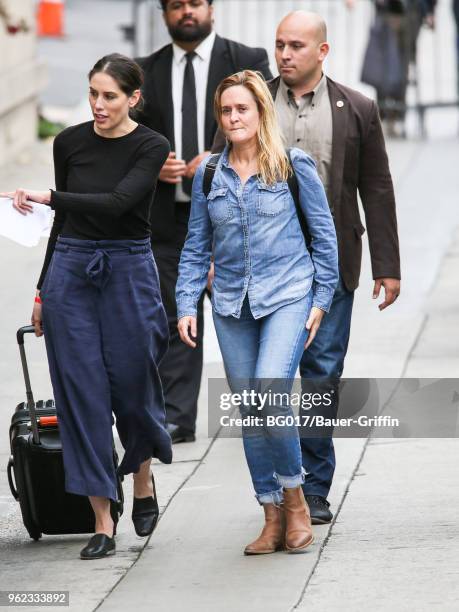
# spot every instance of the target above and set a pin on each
(274, 497)
(290, 482)
(286, 482)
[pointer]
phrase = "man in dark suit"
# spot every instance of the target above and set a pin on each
(180, 83)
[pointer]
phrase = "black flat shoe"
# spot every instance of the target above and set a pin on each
(145, 513)
(178, 434)
(99, 546)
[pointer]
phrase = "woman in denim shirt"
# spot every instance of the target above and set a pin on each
(269, 293)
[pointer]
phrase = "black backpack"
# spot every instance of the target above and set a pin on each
(292, 181)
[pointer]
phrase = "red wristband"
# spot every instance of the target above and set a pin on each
(38, 299)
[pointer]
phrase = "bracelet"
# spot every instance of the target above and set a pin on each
(38, 299)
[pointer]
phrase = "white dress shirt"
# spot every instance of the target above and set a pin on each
(201, 63)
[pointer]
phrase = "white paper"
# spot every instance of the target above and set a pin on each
(24, 229)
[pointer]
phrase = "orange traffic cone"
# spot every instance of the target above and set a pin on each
(50, 18)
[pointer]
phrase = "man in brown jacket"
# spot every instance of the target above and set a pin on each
(340, 128)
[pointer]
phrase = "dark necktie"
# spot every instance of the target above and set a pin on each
(190, 147)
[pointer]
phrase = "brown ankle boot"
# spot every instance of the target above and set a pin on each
(298, 532)
(272, 535)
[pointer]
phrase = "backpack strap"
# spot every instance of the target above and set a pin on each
(295, 191)
(209, 173)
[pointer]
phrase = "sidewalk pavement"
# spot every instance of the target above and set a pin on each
(394, 542)
(391, 545)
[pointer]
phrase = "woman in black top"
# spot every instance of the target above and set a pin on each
(103, 319)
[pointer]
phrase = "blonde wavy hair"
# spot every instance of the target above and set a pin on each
(273, 162)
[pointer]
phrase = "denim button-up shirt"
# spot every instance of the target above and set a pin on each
(254, 235)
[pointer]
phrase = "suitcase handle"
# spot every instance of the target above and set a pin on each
(10, 479)
(28, 329)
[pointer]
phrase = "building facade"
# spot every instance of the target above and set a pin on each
(22, 77)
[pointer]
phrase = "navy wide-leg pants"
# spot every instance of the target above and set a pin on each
(106, 331)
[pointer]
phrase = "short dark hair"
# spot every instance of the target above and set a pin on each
(124, 70)
(164, 3)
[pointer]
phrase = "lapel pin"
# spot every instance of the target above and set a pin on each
(340, 104)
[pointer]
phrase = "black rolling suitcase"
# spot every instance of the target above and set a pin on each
(36, 470)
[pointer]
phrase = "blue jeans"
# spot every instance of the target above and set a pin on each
(324, 359)
(264, 354)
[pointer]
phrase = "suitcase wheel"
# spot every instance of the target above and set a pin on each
(35, 534)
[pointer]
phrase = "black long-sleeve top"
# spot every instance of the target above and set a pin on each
(104, 186)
